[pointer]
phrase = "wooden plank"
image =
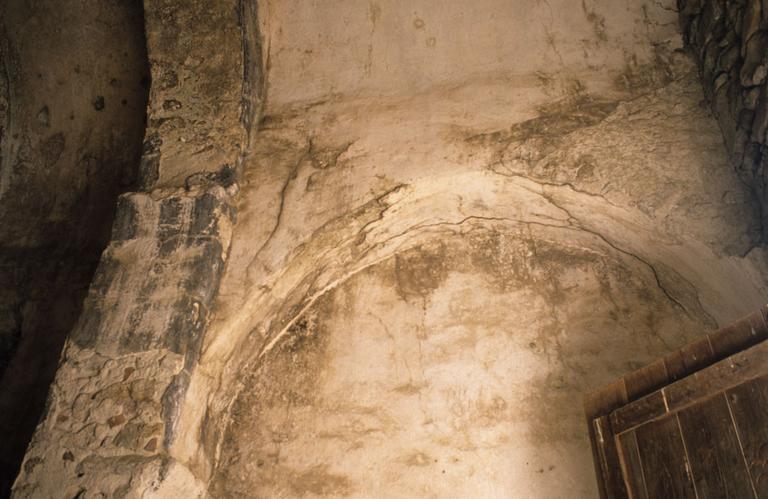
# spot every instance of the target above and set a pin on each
(665, 466)
(740, 335)
(604, 400)
(611, 480)
(697, 371)
(646, 379)
(631, 466)
(596, 404)
(689, 359)
(720, 376)
(638, 412)
(713, 450)
(749, 408)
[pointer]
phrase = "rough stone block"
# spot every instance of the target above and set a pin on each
(115, 399)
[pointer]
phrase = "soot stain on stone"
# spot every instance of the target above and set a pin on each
(524, 145)
(43, 117)
(420, 271)
(596, 20)
(640, 76)
(504, 259)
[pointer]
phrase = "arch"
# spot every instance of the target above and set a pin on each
(286, 265)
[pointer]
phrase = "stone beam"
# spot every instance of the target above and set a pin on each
(207, 87)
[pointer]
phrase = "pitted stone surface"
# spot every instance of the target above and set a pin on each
(155, 284)
(73, 95)
(207, 87)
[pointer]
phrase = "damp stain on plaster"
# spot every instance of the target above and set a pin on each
(290, 376)
(420, 271)
(413, 363)
(596, 20)
(524, 147)
(319, 481)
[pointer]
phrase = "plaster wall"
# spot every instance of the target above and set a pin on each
(453, 369)
(427, 275)
(320, 50)
(437, 341)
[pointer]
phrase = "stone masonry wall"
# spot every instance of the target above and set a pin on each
(729, 39)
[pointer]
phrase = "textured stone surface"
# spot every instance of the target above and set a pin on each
(730, 41)
(112, 418)
(113, 406)
(206, 86)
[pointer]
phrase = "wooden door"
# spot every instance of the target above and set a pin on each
(691, 425)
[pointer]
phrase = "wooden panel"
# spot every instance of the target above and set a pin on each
(749, 406)
(638, 412)
(740, 335)
(714, 454)
(646, 379)
(597, 404)
(631, 466)
(718, 377)
(642, 405)
(729, 372)
(612, 483)
(664, 463)
(605, 400)
(689, 359)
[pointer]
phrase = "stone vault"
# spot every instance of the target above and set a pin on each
(381, 249)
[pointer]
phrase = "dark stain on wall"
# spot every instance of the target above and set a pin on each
(420, 271)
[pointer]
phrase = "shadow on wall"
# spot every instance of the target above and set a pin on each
(74, 80)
